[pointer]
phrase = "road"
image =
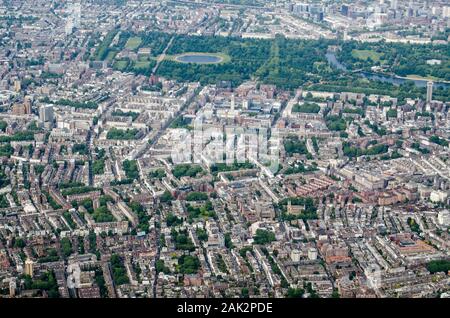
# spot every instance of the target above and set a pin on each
(90, 141)
(158, 253)
(224, 5)
(155, 139)
(162, 56)
(288, 110)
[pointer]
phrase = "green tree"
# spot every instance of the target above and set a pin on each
(263, 237)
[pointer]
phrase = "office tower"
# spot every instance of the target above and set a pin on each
(12, 288)
(29, 267)
(17, 86)
(429, 92)
(46, 113)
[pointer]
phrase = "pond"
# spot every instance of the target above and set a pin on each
(331, 57)
(199, 58)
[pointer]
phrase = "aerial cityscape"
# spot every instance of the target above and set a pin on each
(224, 149)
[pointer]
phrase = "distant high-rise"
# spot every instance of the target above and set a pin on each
(429, 92)
(12, 288)
(17, 86)
(46, 113)
(76, 14)
(69, 27)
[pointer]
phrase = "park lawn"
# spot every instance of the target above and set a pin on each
(366, 54)
(120, 65)
(145, 58)
(418, 77)
(141, 64)
(111, 55)
(133, 43)
(167, 57)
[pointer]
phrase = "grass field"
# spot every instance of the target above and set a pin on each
(142, 64)
(111, 55)
(120, 65)
(427, 78)
(366, 54)
(133, 43)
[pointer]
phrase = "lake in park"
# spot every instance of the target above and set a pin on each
(199, 58)
(331, 57)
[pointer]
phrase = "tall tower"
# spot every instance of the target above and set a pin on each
(29, 267)
(46, 113)
(429, 92)
(69, 26)
(17, 85)
(12, 288)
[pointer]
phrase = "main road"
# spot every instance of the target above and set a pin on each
(163, 55)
